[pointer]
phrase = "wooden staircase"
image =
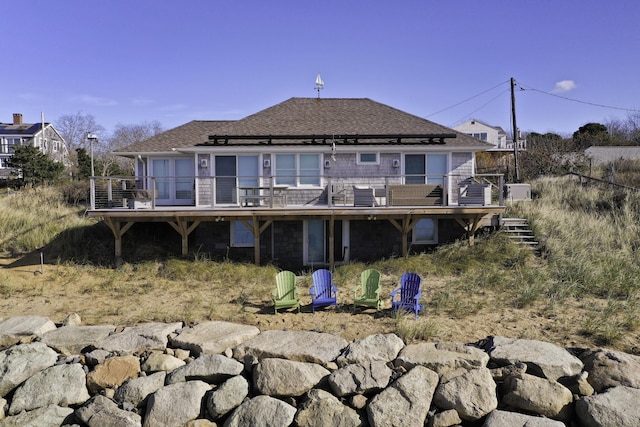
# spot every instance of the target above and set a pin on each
(519, 231)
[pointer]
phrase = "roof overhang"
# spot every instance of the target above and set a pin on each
(311, 139)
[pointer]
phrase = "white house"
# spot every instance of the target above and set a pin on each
(494, 135)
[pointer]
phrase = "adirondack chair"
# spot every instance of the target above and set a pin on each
(323, 292)
(408, 294)
(285, 295)
(368, 292)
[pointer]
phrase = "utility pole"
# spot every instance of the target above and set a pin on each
(515, 130)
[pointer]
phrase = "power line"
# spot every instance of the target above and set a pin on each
(522, 87)
(468, 99)
(482, 106)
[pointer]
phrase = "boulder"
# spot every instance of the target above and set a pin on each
(70, 340)
(213, 337)
(322, 409)
(23, 328)
(513, 419)
(175, 404)
(617, 406)
(211, 368)
(378, 347)
(446, 418)
(537, 395)
(113, 372)
(406, 401)
(608, 368)
(50, 415)
(472, 394)
(362, 378)
(20, 362)
(300, 346)
(543, 359)
(261, 411)
(150, 336)
(58, 385)
(135, 391)
(280, 377)
(72, 319)
(102, 412)
(441, 357)
(228, 396)
(161, 362)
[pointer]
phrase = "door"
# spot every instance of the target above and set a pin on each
(225, 170)
(316, 238)
(425, 169)
(174, 181)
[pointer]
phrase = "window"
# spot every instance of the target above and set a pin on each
(425, 231)
(241, 236)
(3, 162)
(368, 159)
(297, 169)
(482, 136)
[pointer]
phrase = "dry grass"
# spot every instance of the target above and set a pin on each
(582, 291)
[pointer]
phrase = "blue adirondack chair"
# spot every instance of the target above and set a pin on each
(323, 292)
(407, 296)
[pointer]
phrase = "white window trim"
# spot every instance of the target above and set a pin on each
(232, 239)
(427, 242)
(274, 162)
(375, 162)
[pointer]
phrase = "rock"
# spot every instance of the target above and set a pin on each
(441, 357)
(300, 346)
(500, 374)
(472, 395)
(406, 401)
(161, 362)
(23, 328)
(50, 415)
(102, 412)
(608, 368)
(362, 378)
(228, 396)
(3, 403)
(58, 385)
(617, 406)
(113, 372)
(211, 368)
(445, 419)
(150, 336)
(513, 419)
(135, 391)
(261, 411)
(378, 347)
(72, 319)
(70, 340)
(578, 385)
(181, 354)
(213, 337)
(279, 377)
(200, 423)
(537, 395)
(322, 409)
(175, 404)
(96, 356)
(358, 401)
(543, 359)
(20, 362)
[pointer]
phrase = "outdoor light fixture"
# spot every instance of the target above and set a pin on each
(91, 137)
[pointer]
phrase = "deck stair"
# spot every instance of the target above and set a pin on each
(519, 231)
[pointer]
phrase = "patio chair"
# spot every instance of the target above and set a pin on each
(285, 295)
(323, 292)
(408, 294)
(367, 294)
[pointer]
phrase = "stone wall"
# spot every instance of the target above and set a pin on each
(220, 373)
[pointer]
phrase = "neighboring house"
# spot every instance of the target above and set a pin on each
(41, 135)
(494, 135)
(609, 154)
(307, 182)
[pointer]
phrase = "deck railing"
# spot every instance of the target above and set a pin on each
(148, 192)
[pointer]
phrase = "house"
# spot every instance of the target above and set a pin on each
(42, 135)
(609, 154)
(306, 182)
(494, 135)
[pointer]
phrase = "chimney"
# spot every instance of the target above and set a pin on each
(17, 118)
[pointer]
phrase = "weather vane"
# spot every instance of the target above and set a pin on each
(319, 84)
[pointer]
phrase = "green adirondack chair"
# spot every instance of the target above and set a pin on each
(285, 295)
(368, 292)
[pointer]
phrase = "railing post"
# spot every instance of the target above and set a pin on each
(386, 191)
(153, 192)
(329, 193)
(109, 193)
(92, 185)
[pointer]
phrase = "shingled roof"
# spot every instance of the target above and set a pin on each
(311, 120)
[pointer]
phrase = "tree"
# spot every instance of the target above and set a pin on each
(74, 128)
(34, 166)
(123, 136)
(591, 134)
(84, 163)
(549, 154)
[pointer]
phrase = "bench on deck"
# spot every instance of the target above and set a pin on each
(415, 195)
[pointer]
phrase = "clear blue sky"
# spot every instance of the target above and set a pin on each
(176, 61)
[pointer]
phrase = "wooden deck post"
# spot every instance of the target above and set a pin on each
(257, 230)
(118, 231)
(332, 258)
(471, 225)
(184, 229)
